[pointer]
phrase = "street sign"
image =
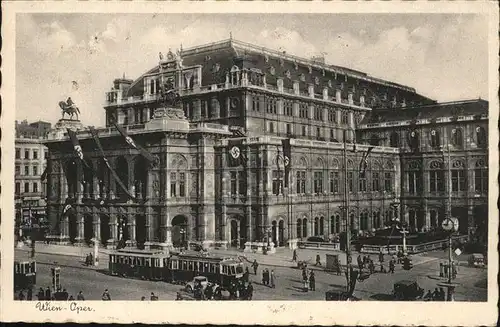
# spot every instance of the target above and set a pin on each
(458, 252)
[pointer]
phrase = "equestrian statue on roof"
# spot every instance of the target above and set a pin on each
(69, 108)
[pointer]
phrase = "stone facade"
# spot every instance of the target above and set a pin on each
(233, 90)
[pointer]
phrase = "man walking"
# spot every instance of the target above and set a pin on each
(391, 266)
(305, 279)
(80, 297)
(255, 265)
(294, 256)
(249, 291)
(312, 281)
(272, 279)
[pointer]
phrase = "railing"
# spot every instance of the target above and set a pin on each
(412, 248)
(319, 245)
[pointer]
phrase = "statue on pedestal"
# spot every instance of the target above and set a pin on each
(69, 108)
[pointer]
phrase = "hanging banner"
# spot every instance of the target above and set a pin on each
(150, 157)
(76, 146)
(287, 158)
(236, 157)
(364, 162)
(44, 174)
(113, 172)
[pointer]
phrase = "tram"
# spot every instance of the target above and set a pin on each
(175, 267)
(24, 274)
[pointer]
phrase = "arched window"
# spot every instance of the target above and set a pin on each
(304, 227)
(458, 176)
(363, 221)
(482, 139)
(414, 178)
(374, 139)
(457, 138)
(321, 225)
(435, 140)
(376, 220)
(481, 177)
(436, 176)
(394, 140)
(299, 228)
(316, 226)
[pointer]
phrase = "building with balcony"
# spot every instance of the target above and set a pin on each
(30, 162)
(232, 91)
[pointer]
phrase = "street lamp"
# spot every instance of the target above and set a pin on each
(268, 231)
(183, 234)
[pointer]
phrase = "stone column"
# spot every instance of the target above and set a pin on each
(197, 109)
(131, 229)
(471, 221)
(113, 228)
(97, 225)
(80, 222)
(112, 182)
(95, 182)
(427, 213)
(145, 115)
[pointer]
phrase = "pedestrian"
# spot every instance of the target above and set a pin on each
(48, 294)
(266, 276)
(21, 296)
(106, 296)
(442, 296)
(153, 297)
(273, 285)
(312, 281)
(371, 266)
(41, 294)
(382, 269)
(255, 265)
(143, 298)
(428, 296)
(338, 268)
(209, 292)
(360, 262)
(381, 256)
(391, 266)
(246, 275)
(305, 279)
(65, 295)
(436, 295)
(318, 260)
(294, 256)
(249, 291)
(71, 298)
(29, 295)
(80, 297)
(178, 296)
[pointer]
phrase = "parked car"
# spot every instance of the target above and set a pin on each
(407, 290)
(190, 285)
(336, 295)
(476, 260)
(315, 239)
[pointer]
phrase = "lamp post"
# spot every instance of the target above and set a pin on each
(183, 234)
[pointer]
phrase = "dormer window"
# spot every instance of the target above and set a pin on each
(302, 77)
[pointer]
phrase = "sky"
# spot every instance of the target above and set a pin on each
(443, 56)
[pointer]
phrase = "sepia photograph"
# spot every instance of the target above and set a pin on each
(238, 156)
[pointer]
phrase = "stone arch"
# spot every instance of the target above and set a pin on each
(302, 162)
(72, 226)
(88, 176)
(180, 231)
(140, 229)
(178, 161)
(88, 228)
(389, 165)
(236, 231)
(319, 163)
(104, 229)
(335, 163)
(350, 164)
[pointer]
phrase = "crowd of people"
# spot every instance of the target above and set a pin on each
(47, 295)
(237, 290)
(437, 295)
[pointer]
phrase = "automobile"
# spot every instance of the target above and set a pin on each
(190, 285)
(407, 290)
(476, 260)
(337, 295)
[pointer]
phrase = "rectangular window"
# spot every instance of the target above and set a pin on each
(318, 132)
(46, 155)
(362, 184)
(388, 182)
(301, 182)
(288, 108)
(303, 110)
(242, 183)
(173, 185)
(271, 127)
(26, 170)
(436, 180)
(318, 113)
(332, 134)
(18, 188)
(304, 131)
(234, 181)
(256, 103)
(18, 170)
(334, 182)
(481, 180)
(350, 181)
(151, 87)
(35, 187)
(26, 187)
(414, 182)
(458, 180)
(182, 185)
(35, 171)
(271, 106)
(288, 129)
(375, 182)
(345, 117)
(35, 154)
(277, 181)
(318, 182)
(18, 153)
(26, 154)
